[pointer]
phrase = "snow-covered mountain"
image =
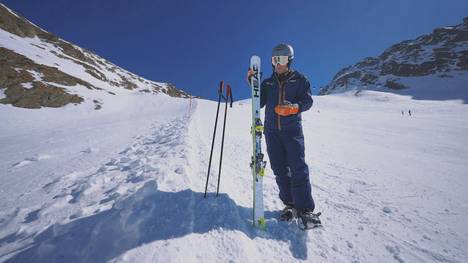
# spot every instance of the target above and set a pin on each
(125, 183)
(433, 66)
(38, 69)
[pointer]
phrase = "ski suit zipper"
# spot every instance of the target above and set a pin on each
(281, 95)
(280, 100)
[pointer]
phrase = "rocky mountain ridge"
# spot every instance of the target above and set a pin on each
(428, 64)
(38, 69)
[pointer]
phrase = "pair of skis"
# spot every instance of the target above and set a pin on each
(257, 164)
(226, 98)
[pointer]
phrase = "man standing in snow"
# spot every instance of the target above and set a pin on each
(286, 93)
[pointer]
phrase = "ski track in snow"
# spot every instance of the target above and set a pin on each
(82, 194)
(146, 204)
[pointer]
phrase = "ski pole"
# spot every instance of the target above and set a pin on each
(228, 95)
(220, 93)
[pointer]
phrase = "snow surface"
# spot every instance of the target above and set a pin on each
(36, 75)
(27, 85)
(452, 87)
(126, 183)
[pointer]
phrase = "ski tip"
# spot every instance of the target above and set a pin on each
(255, 59)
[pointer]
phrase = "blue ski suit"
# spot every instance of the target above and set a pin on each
(284, 136)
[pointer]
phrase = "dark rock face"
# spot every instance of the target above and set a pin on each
(127, 84)
(463, 60)
(391, 84)
(16, 25)
(345, 78)
(409, 70)
(40, 95)
(16, 70)
(174, 92)
(369, 79)
(440, 53)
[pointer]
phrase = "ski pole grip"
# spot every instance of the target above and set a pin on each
(221, 87)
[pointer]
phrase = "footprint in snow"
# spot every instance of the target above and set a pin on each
(179, 170)
(29, 160)
(395, 251)
(387, 210)
(90, 150)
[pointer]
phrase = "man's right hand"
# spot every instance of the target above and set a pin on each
(250, 74)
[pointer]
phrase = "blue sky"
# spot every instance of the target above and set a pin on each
(195, 44)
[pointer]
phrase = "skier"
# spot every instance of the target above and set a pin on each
(286, 93)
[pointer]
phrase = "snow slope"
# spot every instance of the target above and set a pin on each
(126, 185)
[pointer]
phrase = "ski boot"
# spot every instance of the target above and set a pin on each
(286, 213)
(308, 219)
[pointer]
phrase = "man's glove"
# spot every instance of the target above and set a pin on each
(287, 108)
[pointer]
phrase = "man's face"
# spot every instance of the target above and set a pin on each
(280, 69)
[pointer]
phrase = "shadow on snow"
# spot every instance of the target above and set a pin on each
(151, 215)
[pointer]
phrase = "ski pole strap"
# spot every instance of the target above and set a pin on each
(229, 95)
(226, 97)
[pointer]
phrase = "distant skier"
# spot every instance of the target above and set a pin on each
(286, 93)
(409, 112)
(402, 113)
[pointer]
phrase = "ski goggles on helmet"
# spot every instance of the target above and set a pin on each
(282, 60)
